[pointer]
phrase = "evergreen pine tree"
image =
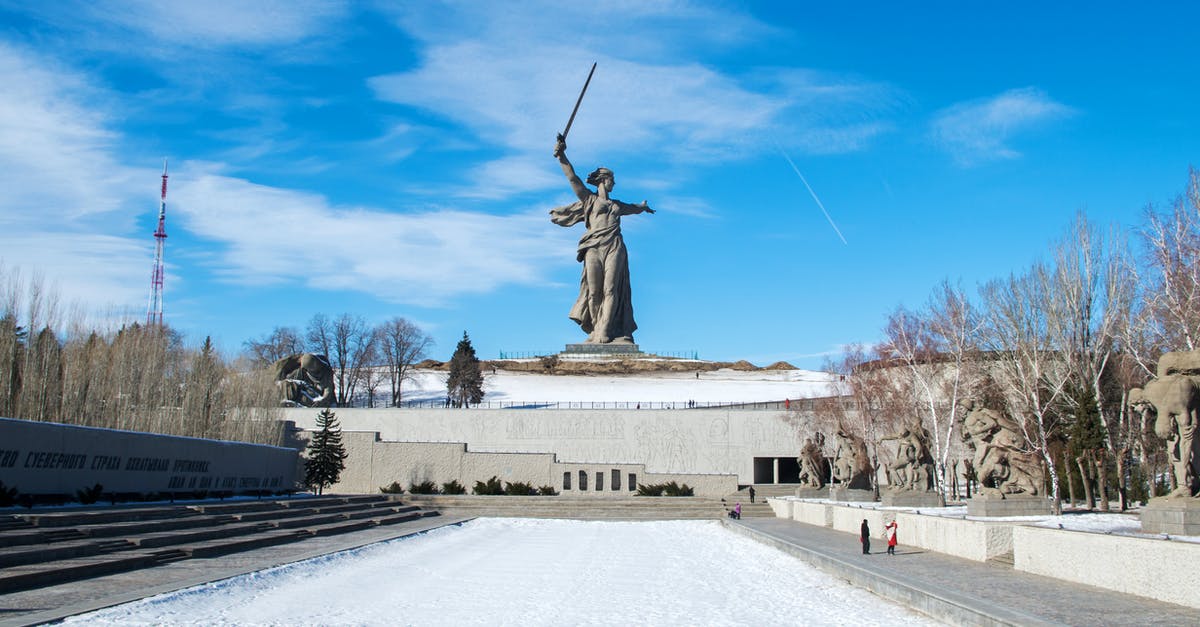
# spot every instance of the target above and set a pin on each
(326, 454)
(465, 383)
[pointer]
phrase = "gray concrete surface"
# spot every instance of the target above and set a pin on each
(959, 591)
(50, 603)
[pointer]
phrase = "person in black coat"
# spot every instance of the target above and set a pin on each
(865, 537)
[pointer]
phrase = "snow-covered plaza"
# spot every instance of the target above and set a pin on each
(532, 572)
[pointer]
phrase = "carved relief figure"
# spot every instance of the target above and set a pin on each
(1175, 399)
(913, 467)
(1002, 463)
(851, 464)
(306, 380)
(813, 473)
(604, 309)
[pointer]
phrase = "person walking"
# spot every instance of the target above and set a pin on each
(737, 511)
(864, 537)
(751, 494)
(890, 532)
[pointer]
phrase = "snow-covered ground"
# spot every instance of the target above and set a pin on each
(532, 572)
(719, 386)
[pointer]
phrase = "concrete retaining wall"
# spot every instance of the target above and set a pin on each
(1158, 569)
(683, 441)
(373, 463)
(809, 513)
(968, 539)
(52, 458)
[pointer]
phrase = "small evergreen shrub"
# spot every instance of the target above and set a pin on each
(547, 490)
(672, 489)
(492, 487)
(520, 488)
(654, 489)
(665, 489)
(87, 496)
(8, 496)
(394, 488)
(453, 487)
(425, 487)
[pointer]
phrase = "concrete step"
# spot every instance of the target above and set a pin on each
(21, 555)
(72, 569)
(8, 523)
(178, 537)
(226, 546)
(79, 518)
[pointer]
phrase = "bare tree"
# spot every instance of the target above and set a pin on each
(319, 335)
(1172, 296)
(280, 343)
(938, 350)
(1026, 363)
(402, 344)
(353, 344)
(1088, 303)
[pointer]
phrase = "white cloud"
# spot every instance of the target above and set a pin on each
(207, 24)
(981, 130)
(273, 235)
(65, 210)
(513, 80)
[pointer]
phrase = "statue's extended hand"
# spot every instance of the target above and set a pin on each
(560, 146)
(646, 207)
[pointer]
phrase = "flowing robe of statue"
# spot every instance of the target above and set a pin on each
(607, 311)
(604, 309)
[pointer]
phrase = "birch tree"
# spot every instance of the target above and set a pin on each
(1025, 363)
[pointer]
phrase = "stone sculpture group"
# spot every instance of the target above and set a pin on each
(1003, 464)
(913, 467)
(304, 380)
(1174, 397)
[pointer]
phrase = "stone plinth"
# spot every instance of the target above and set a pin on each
(812, 493)
(912, 498)
(1172, 516)
(994, 505)
(614, 349)
(837, 493)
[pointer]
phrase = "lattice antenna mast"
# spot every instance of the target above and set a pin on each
(154, 313)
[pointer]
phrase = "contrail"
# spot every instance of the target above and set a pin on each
(814, 194)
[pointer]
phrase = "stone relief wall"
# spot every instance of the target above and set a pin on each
(664, 441)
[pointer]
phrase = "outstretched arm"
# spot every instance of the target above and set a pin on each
(628, 209)
(560, 151)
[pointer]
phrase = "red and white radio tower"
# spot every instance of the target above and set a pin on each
(154, 313)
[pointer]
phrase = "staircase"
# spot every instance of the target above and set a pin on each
(759, 508)
(574, 507)
(45, 548)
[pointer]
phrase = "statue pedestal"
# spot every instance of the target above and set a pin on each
(812, 493)
(612, 350)
(838, 493)
(994, 505)
(1173, 516)
(912, 498)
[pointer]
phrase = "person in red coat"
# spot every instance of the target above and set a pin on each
(890, 531)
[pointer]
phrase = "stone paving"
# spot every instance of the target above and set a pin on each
(973, 592)
(51, 603)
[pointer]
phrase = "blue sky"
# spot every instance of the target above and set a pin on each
(394, 159)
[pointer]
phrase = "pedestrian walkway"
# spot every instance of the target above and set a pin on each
(54, 602)
(959, 591)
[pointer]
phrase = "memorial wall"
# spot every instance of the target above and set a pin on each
(51, 458)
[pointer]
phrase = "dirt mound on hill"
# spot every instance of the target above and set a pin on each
(552, 364)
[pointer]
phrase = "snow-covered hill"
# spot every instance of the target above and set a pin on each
(719, 386)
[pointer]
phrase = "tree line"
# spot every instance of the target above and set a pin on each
(54, 367)
(364, 358)
(1056, 346)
